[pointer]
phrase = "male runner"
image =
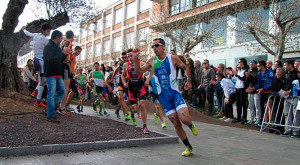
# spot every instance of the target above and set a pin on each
(136, 90)
(121, 89)
(40, 40)
(97, 77)
(164, 68)
(82, 85)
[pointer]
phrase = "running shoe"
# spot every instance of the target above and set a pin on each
(187, 151)
(250, 122)
(256, 124)
(155, 118)
(41, 104)
(95, 108)
(133, 121)
(194, 130)
(105, 113)
(286, 133)
(100, 113)
(163, 125)
(117, 114)
(34, 94)
(295, 134)
(145, 130)
(127, 117)
(139, 116)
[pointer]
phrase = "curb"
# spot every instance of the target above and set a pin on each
(86, 146)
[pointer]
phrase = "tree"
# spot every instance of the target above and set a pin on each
(188, 31)
(11, 41)
(274, 24)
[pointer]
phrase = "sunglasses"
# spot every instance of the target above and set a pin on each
(258, 65)
(204, 63)
(156, 45)
(124, 57)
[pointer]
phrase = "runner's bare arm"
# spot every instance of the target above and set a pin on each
(123, 77)
(140, 69)
(178, 62)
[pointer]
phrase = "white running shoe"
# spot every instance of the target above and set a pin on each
(229, 120)
(223, 118)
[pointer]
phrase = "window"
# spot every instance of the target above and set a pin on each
(219, 32)
(106, 47)
(185, 5)
(143, 36)
(257, 17)
(83, 33)
(144, 6)
(108, 21)
(129, 40)
(82, 55)
(131, 10)
(99, 25)
(117, 45)
(118, 16)
(201, 2)
(174, 7)
(97, 51)
(89, 52)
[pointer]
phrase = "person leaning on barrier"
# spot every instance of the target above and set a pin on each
(290, 103)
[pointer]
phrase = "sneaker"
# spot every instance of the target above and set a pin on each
(41, 104)
(133, 121)
(163, 125)
(286, 133)
(250, 122)
(256, 124)
(194, 130)
(78, 108)
(223, 118)
(187, 151)
(127, 117)
(117, 114)
(100, 113)
(145, 130)
(95, 108)
(105, 113)
(33, 94)
(155, 118)
(193, 105)
(229, 120)
(139, 116)
(295, 134)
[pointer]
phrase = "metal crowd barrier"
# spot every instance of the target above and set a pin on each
(277, 114)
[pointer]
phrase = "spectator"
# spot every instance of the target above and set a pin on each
(180, 73)
(241, 95)
(186, 55)
(265, 78)
(53, 57)
(221, 69)
(28, 76)
(269, 65)
(196, 82)
(228, 86)
(208, 74)
(219, 91)
(187, 95)
(290, 76)
(277, 64)
(253, 98)
(173, 52)
(297, 64)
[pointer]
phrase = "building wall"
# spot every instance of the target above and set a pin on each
(113, 30)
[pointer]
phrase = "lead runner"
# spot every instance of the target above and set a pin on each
(168, 93)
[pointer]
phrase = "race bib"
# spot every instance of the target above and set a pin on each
(99, 82)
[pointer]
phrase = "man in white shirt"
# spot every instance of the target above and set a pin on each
(40, 40)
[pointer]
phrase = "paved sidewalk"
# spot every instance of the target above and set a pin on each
(214, 145)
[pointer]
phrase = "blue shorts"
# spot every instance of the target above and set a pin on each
(172, 103)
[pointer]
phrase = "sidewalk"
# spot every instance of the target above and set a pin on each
(214, 145)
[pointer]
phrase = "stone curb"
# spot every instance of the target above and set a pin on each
(86, 146)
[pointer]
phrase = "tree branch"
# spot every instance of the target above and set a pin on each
(11, 16)
(290, 20)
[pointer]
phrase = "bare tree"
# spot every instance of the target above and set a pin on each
(11, 42)
(274, 24)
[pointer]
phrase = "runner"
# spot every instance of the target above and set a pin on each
(97, 77)
(121, 89)
(82, 86)
(136, 90)
(40, 40)
(165, 76)
(153, 93)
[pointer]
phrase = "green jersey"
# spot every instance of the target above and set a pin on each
(81, 80)
(98, 78)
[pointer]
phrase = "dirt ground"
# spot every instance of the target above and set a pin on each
(22, 124)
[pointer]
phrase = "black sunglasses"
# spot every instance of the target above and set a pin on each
(156, 45)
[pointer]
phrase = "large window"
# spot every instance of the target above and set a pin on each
(117, 44)
(144, 6)
(131, 10)
(97, 51)
(106, 47)
(99, 25)
(218, 32)
(143, 36)
(89, 52)
(118, 15)
(185, 5)
(129, 40)
(174, 7)
(82, 55)
(258, 18)
(108, 21)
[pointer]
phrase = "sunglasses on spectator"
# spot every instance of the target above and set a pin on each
(204, 63)
(156, 45)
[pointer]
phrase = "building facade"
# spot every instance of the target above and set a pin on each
(122, 25)
(228, 40)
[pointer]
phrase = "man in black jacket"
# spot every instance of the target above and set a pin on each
(53, 56)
